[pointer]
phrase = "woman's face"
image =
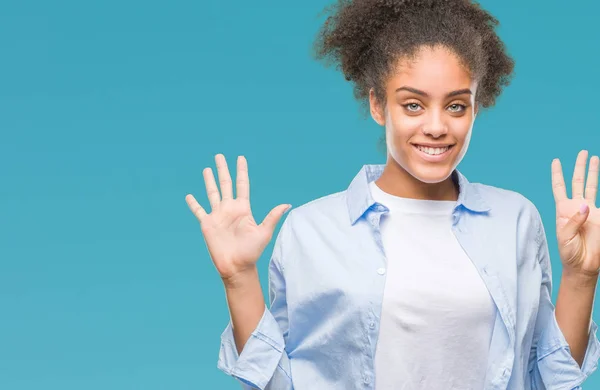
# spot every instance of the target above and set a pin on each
(429, 114)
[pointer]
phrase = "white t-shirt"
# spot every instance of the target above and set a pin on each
(437, 315)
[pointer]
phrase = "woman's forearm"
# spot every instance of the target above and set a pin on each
(246, 305)
(574, 311)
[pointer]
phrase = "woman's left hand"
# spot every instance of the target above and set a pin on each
(578, 218)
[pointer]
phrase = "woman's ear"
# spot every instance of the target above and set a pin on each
(377, 111)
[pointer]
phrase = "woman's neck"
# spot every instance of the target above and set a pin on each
(396, 181)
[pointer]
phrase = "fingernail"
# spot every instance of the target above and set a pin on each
(288, 208)
(583, 209)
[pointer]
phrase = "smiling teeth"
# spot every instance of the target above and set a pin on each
(432, 151)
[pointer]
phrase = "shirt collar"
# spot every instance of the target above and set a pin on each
(359, 198)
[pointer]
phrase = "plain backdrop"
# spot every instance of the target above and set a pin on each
(109, 111)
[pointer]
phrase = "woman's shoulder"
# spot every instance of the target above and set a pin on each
(319, 219)
(327, 205)
(508, 203)
(502, 197)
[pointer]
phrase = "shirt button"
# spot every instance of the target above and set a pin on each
(366, 379)
(381, 271)
(372, 325)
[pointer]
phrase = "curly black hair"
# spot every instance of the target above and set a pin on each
(366, 38)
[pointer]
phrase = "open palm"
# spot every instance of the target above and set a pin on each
(578, 218)
(233, 238)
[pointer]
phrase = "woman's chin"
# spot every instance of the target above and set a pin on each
(432, 174)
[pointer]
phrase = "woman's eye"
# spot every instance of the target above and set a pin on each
(457, 107)
(412, 106)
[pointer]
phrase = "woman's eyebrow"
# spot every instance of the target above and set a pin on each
(422, 93)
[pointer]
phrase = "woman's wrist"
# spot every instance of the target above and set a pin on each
(242, 279)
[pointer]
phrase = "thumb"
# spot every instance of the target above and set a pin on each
(572, 227)
(271, 220)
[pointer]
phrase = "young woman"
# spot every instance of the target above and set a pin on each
(412, 277)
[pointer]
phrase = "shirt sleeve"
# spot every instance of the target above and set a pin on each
(263, 363)
(551, 363)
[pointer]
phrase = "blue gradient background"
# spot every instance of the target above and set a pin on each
(109, 111)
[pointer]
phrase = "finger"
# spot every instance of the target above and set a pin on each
(212, 192)
(271, 220)
(591, 186)
(242, 184)
(558, 181)
(224, 177)
(571, 228)
(195, 207)
(579, 175)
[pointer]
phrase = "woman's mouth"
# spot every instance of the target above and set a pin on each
(433, 154)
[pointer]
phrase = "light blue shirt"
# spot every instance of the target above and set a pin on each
(326, 289)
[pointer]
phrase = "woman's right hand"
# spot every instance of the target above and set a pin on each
(233, 238)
